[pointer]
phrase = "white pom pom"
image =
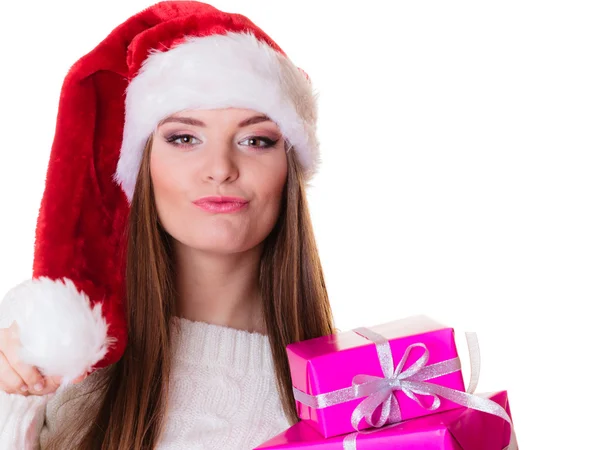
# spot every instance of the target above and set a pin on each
(60, 332)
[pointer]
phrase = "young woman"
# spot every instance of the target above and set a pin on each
(175, 257)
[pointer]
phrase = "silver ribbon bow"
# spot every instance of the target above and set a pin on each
(380, 391)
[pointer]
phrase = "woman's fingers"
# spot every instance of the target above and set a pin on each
(54, 380)
(15, 374)
(10, 381)
(10, 344)
(52, 384)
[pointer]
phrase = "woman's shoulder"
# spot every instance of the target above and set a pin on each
(68, 404)
(73, 393)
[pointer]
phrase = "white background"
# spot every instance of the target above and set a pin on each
(460, 147)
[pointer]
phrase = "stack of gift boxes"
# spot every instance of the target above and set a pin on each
(394, 385)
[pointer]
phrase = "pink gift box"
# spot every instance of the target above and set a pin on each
(457, 429)
(329, 363)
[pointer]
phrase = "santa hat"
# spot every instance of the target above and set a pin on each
(174, 55)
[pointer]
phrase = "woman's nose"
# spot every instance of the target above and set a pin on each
(219, 164)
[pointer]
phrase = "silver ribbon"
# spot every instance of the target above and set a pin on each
(380, 390)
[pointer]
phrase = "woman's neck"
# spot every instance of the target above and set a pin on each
(219, 289)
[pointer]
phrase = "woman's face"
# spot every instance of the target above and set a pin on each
(212, 153)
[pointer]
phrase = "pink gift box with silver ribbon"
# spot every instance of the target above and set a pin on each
(367, 377)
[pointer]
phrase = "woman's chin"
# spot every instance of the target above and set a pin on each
(223, 246)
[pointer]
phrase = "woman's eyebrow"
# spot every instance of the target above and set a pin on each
(198, 123)
(254, 119)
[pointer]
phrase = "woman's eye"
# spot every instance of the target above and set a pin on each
(183, 140)
(253, 141)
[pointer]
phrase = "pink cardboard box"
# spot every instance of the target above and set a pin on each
(458, 429)
(329, 363)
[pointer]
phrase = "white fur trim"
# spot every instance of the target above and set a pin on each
(211, 72)
(59, 330)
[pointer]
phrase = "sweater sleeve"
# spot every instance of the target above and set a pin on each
(30, 422)
(21, 420)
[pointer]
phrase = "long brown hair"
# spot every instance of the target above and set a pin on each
(131, 405)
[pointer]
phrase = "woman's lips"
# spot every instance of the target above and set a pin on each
(221, 204)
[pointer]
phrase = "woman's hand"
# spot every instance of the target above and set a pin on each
(17, 377)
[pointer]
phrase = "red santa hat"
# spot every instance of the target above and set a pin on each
(174, 55)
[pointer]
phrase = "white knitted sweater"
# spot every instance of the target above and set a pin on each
(223, 395)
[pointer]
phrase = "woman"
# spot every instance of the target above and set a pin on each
(174, 257)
